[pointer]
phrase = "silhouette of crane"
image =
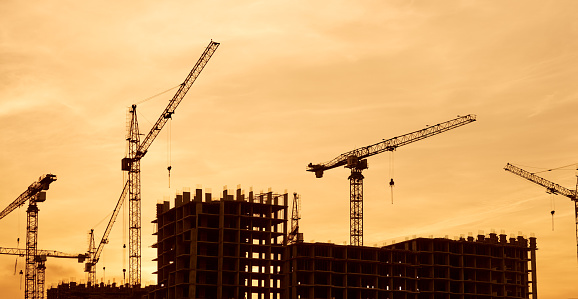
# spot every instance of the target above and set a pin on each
(34, 194)
(40, 260)
(136, 151)
(357, 162)
(551, 187)
(294, 235)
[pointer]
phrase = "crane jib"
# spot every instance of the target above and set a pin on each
(43, 183)
(549, 185)
(179, 95)
(392, 144)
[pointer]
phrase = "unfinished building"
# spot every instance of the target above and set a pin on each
(486, 267)
(231, 247)
(235, 247)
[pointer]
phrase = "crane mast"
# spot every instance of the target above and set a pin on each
(131, 164)
(357, 162)
(551, 187)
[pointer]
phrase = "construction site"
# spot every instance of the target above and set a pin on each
(249, 245)
(237, 246)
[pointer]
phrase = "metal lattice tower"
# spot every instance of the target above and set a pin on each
(356, 207)
(91, 253)
(134, 197)
(30, 290)
(294, 235)
(40, 276)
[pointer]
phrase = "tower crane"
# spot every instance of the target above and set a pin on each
(40, 260)
(131, 163)
(294, 235)
(34, 194)
(551, 187)
(357, 162)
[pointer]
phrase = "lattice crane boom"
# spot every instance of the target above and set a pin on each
(551, 187)
(47, 253)
(34, 188)
(177, 98)
(94, 256)
(108, 229)
(357, 162)
(390, 144)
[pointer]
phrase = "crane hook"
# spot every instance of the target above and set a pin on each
(169, 169)
(391, 185)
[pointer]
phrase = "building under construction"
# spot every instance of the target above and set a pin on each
(236, 247)
(486, 267)
(232, 247)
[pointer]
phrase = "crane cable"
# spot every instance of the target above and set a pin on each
(553, 207)
(17, 241)
(391, 182)
(156, 95)
(544, 169)
(124, 229)
(169, 149)
(573, 164)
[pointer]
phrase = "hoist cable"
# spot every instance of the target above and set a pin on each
(156, 95)
(169, 149)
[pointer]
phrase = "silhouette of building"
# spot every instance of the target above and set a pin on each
(235, 247)
(490, 267)
(231, 247)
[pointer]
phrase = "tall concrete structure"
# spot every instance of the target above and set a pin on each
(231, 247)
(486, 267)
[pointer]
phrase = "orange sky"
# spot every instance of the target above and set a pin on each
(293, 82)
